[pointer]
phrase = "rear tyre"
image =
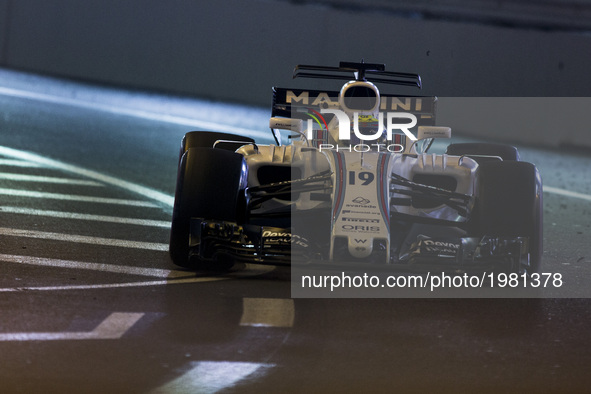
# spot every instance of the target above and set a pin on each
(504, 151)
(509, 204)
(208, 184)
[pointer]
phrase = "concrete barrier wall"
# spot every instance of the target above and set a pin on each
(236, 50)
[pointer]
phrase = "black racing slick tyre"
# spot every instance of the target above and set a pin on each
(504, 151)
(208, 185)
(509, 204)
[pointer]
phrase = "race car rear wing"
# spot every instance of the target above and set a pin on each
(285, 100)
(374, 72)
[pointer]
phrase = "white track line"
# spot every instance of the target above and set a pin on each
(97, 176)
(18, 163)
(211, 377)
(83, 239)
(71, 197)
(82, 216)
(250, 271)
(113, 285)
(113, 327)
(119, 269)
(46, 179)
(567, 193)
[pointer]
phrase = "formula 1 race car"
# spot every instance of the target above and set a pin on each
(350, 182)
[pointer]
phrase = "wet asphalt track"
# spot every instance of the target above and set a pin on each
(90, 301)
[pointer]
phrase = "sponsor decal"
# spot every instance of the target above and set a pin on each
(348, 211)
(316, 98)
(439, 247)
(360, 228)
(361, 206)
(360, 220)
(361, 200)
(283, 237)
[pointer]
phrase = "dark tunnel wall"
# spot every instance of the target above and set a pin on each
(236, 50)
